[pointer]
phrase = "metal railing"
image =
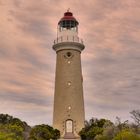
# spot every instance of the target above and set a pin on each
(68, 39)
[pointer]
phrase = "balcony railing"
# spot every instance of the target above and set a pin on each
(68, 39)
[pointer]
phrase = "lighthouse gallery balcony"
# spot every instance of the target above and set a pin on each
(68, 39)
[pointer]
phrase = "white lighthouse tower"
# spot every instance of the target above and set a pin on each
(69, 114)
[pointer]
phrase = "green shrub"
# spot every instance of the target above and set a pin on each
(126, 135)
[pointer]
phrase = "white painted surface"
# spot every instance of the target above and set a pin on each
(69, 126)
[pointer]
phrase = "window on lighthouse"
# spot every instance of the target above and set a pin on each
(68, 25)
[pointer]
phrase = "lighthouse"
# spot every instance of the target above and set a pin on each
(68, 114)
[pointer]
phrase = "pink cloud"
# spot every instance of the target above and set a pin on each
(110, 30)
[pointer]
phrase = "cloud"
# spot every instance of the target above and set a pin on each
(110, 30)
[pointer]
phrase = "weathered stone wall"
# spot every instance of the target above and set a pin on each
(68, 98)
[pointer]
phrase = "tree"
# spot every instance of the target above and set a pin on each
(126, 135)
(121, 125)
(5, 118)
(92, 128)
(13, 128)
(136, 116)
(109, 131)
(56, 134)
(44, 132)
(102, 137)
(11, 132)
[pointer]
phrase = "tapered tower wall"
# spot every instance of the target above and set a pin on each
(68, 100)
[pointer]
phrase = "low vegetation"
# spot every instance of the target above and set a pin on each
(14, 129)
(44, 132)
(102, 129)
(95, 129)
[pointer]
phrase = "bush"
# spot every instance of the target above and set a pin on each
(92, 128)
(44, 132)
(126, 135)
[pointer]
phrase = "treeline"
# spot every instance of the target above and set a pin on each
(95, 129)
(14, 129)
(102, 129)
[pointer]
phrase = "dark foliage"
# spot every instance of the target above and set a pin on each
(44, 132)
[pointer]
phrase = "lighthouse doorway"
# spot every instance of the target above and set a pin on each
(69, 129)
(69, 126)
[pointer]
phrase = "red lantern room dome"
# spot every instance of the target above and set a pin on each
(68, 17)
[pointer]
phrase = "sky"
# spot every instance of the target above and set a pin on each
(110, 62)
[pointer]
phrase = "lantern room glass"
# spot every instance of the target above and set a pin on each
(68, 25)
